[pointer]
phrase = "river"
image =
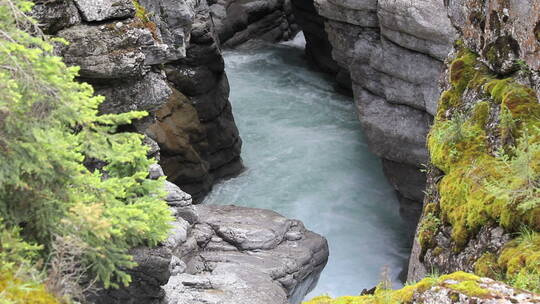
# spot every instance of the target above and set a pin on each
(306, 158)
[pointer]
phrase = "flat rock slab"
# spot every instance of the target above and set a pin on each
(246, 228)
(99, 10)
(237, 255)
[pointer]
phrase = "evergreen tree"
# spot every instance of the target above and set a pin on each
(49, 129)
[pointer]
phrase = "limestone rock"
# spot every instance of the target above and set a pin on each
(240, 21)
(420, 25)
(200, 139)
(55, 15)
(392, 52)
(173, 20)
(501, 31)
(175, 196)
(393, 132)
(245, 256)
(113, 50)
(228, 255)
(99, 10)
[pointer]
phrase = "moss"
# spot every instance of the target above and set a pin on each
(427, 230)
(470, 288)
(520, 261)
(486, 184)
(15, 290)
(487, 265)
(461, 282)
(143, 20)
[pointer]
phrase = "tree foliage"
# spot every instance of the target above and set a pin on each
(49, 129)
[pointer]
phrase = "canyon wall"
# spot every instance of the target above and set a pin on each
(481, 211)
(237, 21)
(162, 57)
(391, 54)
(472, 68)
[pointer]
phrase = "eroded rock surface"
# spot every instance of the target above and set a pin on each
(238, 21)
(391, 53)
(165, 60)
(500, 30)
(224, 255)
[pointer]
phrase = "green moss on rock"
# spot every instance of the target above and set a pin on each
(464, 283)
(486, 140)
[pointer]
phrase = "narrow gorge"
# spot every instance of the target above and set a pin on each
(328, 151)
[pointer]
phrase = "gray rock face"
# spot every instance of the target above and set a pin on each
(224, 255)
(245, 255)
(393, 52)
(55, 15)
(318, 48)
(196, 127)
(501, 31)
(239, 21)
(167, 62)
(99, 10)
(420, 25)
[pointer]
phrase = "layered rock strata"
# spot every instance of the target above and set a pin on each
(392, 53)
(162, 57)
(224, 255)
(240, 21)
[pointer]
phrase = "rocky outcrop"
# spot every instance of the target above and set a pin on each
(224, 255)
(473, 219)
(459, 287)
(162, 57)
(392, 53)
(239, 21)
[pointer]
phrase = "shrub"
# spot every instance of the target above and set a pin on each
(49, 129)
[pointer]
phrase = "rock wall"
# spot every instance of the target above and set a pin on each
(240, 21)
(481, 211)
(224, 255)
(162, 57)
(392, 53)
(473, 219)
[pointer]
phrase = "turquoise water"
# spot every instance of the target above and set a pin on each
(307, 159)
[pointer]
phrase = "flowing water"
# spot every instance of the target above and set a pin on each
(307, 159)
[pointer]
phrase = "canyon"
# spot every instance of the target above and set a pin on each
(395, 57)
